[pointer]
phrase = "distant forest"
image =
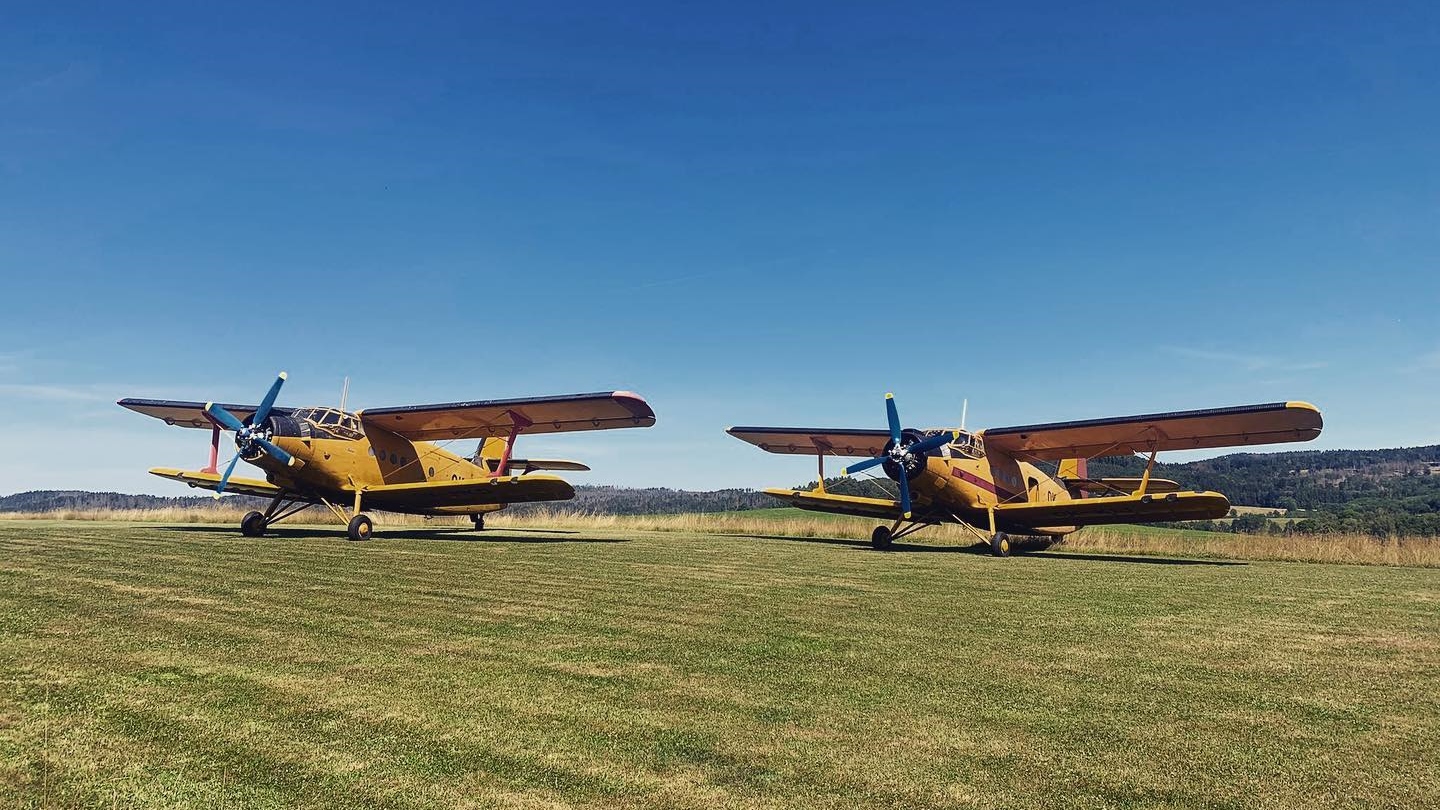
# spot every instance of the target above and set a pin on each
(1379, 492)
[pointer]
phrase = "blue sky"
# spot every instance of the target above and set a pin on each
(768, 213)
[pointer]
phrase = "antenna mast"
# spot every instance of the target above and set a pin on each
(345, 393)
(964, 410)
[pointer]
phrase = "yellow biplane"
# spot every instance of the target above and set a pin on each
(991, 481)
(385, 458)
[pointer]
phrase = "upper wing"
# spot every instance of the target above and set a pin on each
(812, 441)
(188, 414)
(476, 491)
(1182, 430)
(210, 480)
(500, 417)
(1120, 509)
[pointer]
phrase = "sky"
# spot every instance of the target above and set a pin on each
(766, 213)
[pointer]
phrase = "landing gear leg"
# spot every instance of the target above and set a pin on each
(1000, 544)
(479, 521)
(880, 538)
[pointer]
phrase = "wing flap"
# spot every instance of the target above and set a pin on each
(486, 419)
(209, 480)
(839, 504)
(1182, 430)
(425, 495)
(813, 441)
(1120, 509)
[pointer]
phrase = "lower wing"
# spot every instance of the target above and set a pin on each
(209, 480)
(1119, 509)
(427, 495)
(839, 504)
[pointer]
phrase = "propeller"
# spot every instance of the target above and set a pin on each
(900, 458)
(254, 438)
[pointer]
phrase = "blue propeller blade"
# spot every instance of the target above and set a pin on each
(894, 416)
(269, 401)
(225, 479)
(223, 416)
(933, 442)
(904, 494)
(275, 452)
(864, 465)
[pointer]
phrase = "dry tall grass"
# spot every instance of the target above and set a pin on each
(1351, 549)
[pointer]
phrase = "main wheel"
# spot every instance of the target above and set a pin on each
(360, 528)
(253, 524)
(1000, 544)
(880, 538)
(479, 521)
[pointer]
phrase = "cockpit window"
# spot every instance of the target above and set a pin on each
(327, 423)
(967, 445)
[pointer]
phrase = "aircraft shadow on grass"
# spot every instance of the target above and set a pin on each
(982, 549)
(461, 535)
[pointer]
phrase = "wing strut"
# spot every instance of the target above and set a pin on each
(519, 423)
(214, 465)
(1145, 479)
(821, 447)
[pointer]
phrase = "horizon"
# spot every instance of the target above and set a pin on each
(750, 215)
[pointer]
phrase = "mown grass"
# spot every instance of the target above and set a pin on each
(186, 666)
(1354, 549)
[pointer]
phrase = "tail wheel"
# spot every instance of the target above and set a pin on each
(479, 521)
(1000, 544)
(360, 528)
(253, 525)
(880, 538)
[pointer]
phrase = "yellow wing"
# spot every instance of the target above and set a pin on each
(812, 441)
(1120, 509)
(441, 495)
(1182, 430)
(839, 504)
(499, 417)
(235, 486)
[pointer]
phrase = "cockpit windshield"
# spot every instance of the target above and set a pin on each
(966, 445)
(327, 423)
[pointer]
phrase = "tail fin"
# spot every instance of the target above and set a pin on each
(1074, 468)
(488, 448)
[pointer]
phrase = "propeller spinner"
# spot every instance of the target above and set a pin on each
(253, 439)
(904, 453)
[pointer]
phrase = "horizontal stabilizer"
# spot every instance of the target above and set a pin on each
(527, 465)
(1118, 486)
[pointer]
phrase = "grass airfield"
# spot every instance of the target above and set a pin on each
(188, 666)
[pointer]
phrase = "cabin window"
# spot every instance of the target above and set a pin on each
(394, 459)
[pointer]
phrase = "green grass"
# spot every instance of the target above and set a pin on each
(191, 667)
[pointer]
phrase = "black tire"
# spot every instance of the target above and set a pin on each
(360, 528)
(880, 538)
(479, 521)
(1000, 544)
(253, 524)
